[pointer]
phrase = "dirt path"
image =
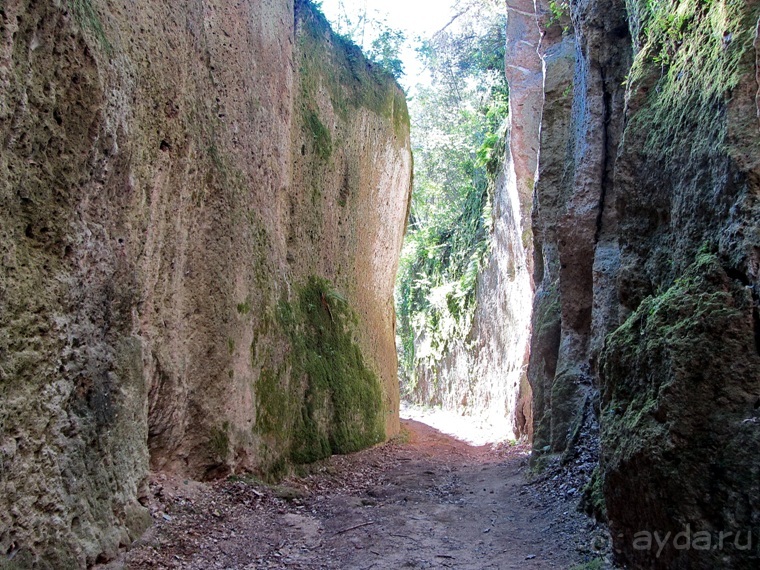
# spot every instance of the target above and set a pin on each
(432, 502)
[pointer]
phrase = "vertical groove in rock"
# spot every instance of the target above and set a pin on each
(650, 254)
(606, 167)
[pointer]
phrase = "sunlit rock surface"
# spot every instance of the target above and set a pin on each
(188, 191)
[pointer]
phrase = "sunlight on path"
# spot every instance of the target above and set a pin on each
(469, 429)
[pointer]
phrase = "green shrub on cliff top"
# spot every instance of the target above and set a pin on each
(351, 79)
(371, 32)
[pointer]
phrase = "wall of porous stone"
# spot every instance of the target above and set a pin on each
(188, 189)
(647, 264)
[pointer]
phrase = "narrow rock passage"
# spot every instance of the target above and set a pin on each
(427, 502)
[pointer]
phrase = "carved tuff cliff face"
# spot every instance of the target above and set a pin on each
(646, 228)
(481, 369)
(679, 403)
(199, 199)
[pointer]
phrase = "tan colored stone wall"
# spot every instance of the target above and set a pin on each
(160, 201)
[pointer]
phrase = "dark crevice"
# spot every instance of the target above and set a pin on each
(738, 275)
(622, 32)
(607, 102)
(756, 319)
(538, 265)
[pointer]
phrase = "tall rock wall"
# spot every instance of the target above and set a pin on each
(483, 370)
(681, 401)
(574, 215)
(202, 208)
(647, 244)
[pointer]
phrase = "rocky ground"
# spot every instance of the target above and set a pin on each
(425, 500)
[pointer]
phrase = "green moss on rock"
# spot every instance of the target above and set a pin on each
(320, 135)
(219, 442)
(88, 19)
(592, 500)
(680, 381)
(275, 404)
(687, 63)
(333, 403)
(543, 367)
(567, 409)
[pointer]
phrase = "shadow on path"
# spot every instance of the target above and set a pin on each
(430, 501)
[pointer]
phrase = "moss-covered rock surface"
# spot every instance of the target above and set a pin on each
(679, 418)
(334, 401)
(646, 221)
